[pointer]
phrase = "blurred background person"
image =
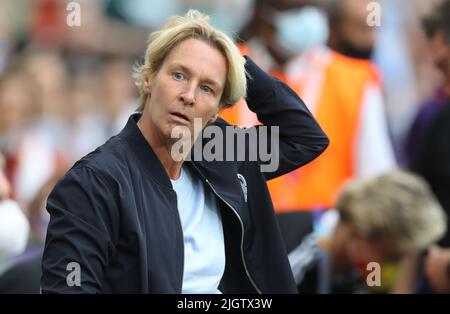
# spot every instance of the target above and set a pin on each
(425, 273)
(429, 145)
(14, 230)
(117, 93)
(406, 66)
(276, 32)
(84, 116)
(385, 219)
(14, 226)
(20, 145)
(45, 73)
(437, 269)
(343, 89)
(5, 189)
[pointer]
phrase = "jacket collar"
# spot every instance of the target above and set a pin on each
(221, 175)
(137, 143)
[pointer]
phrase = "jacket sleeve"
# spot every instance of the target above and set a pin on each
(300, 138)
(78, 243)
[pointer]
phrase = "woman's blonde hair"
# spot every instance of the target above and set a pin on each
(398, 207)
(193, 25)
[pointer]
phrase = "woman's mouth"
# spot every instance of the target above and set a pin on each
(180, 118)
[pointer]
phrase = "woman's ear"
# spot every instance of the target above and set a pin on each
(147, 86)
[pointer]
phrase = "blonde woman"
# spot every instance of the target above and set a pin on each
(135, 217)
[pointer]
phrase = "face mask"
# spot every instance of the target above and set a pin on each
(299, 29)
(14, 230)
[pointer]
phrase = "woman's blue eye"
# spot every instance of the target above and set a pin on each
(206, 88)
(178, 75)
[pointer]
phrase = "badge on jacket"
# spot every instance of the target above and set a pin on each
(243, 185)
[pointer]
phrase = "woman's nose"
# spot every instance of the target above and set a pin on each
(188, 96)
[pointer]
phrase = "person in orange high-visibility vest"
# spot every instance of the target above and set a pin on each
(344, 95)
(342, 88)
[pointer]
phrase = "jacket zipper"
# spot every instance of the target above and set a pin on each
(242, 237)
(182, 241)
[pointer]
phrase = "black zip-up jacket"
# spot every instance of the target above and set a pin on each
(115, 212)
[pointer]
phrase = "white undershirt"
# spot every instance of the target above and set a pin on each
(374, 151)
(204, 249)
